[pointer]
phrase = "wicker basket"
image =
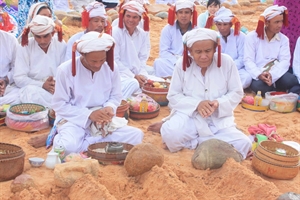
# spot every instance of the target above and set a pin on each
(11, 161)
(268, 148)
(108, 158)
(144, 115)
(158, 94)
(122, 110)
(274, 171)
(26, 108)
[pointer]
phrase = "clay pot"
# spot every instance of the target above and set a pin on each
(122, 110)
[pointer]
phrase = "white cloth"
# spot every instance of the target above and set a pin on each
(41, 25)
(8, 49)
(180, 4)
(94, 41)
(70, 43)
(135, 7)
(130, 54)
(33, 66)
(165, 1)
(34, 8)
(273, 11)
(188, 88)
(77, 4)
(296, 61)
(96, 9)
(258, 52)
(223, 15)
(116, 123)
(170, 49)
(190, 37)
(234, 47)
(62, 5)
(202, 18)
(72, 97)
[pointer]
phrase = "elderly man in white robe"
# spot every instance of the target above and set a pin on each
(170, 46)
(131, 51)
(94, 18)
(37, 60)
(267, 53)
(204, 91)
(232, 41)
(296, 67)
(79, 105)
(9, 94)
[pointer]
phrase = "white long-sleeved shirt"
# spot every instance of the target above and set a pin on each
(131, 51)
(75, 95)
(70, 43)
(296, 61)
(258, 52)
(234, 47)
(8, 49)
(33, 66)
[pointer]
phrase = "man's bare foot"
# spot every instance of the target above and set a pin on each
(155, 127)
(38, 141)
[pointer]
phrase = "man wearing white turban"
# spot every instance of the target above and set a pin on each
(170, 46)
(204, 91)
(9, 94)
(267, 53)
(232, 41)
(37, 60)
(94, 18)
(93, 82)
(132, 50)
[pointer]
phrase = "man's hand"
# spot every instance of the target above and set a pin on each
(102, 116)
(266, 77)
(207, 108)
(49, 85)
(3, 83)
(141, 79)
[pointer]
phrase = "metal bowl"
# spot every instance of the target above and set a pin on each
(36, 161)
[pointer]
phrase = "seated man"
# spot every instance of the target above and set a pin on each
(94, 18)
(170, 46)
(296, 67)
(9, 94)
(267, 53)
(202, 108)
(131, 51)
(78, 105)
(37, 60)
(232, 41)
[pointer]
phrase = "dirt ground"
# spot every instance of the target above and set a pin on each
(176, 179)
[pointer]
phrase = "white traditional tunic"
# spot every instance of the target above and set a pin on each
(234, 47)
(73, 98)
(170, 49)
(296, 61)
(130, 54)
(32, 68)
(70, 43)
(259, 52)
(185, 127)
(7, 62)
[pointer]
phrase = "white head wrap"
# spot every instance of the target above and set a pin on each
(135, 7)
(190, 37)
(273, 11)
(139, 1)
(34, 10)
(96, 9)
(94, 41)
(223, 15)
(180, 4)
(41, 25)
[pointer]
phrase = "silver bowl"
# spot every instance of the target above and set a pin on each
(36, 162)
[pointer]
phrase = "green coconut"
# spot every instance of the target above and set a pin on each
(213, 153)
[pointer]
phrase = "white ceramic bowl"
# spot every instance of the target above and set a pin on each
(36, 162)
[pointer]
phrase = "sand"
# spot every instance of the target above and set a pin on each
(176, 179)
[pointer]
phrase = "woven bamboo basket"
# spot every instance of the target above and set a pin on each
(122, 110)
(268, 148)
(26, 108)
(11, 161)
(158, 94)
(144, 115)
(274, 171)
(108, 158)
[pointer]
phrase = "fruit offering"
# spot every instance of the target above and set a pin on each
(135, 103)
(156, 84)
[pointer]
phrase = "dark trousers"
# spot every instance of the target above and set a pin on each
(284, 83)
(295, 89)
